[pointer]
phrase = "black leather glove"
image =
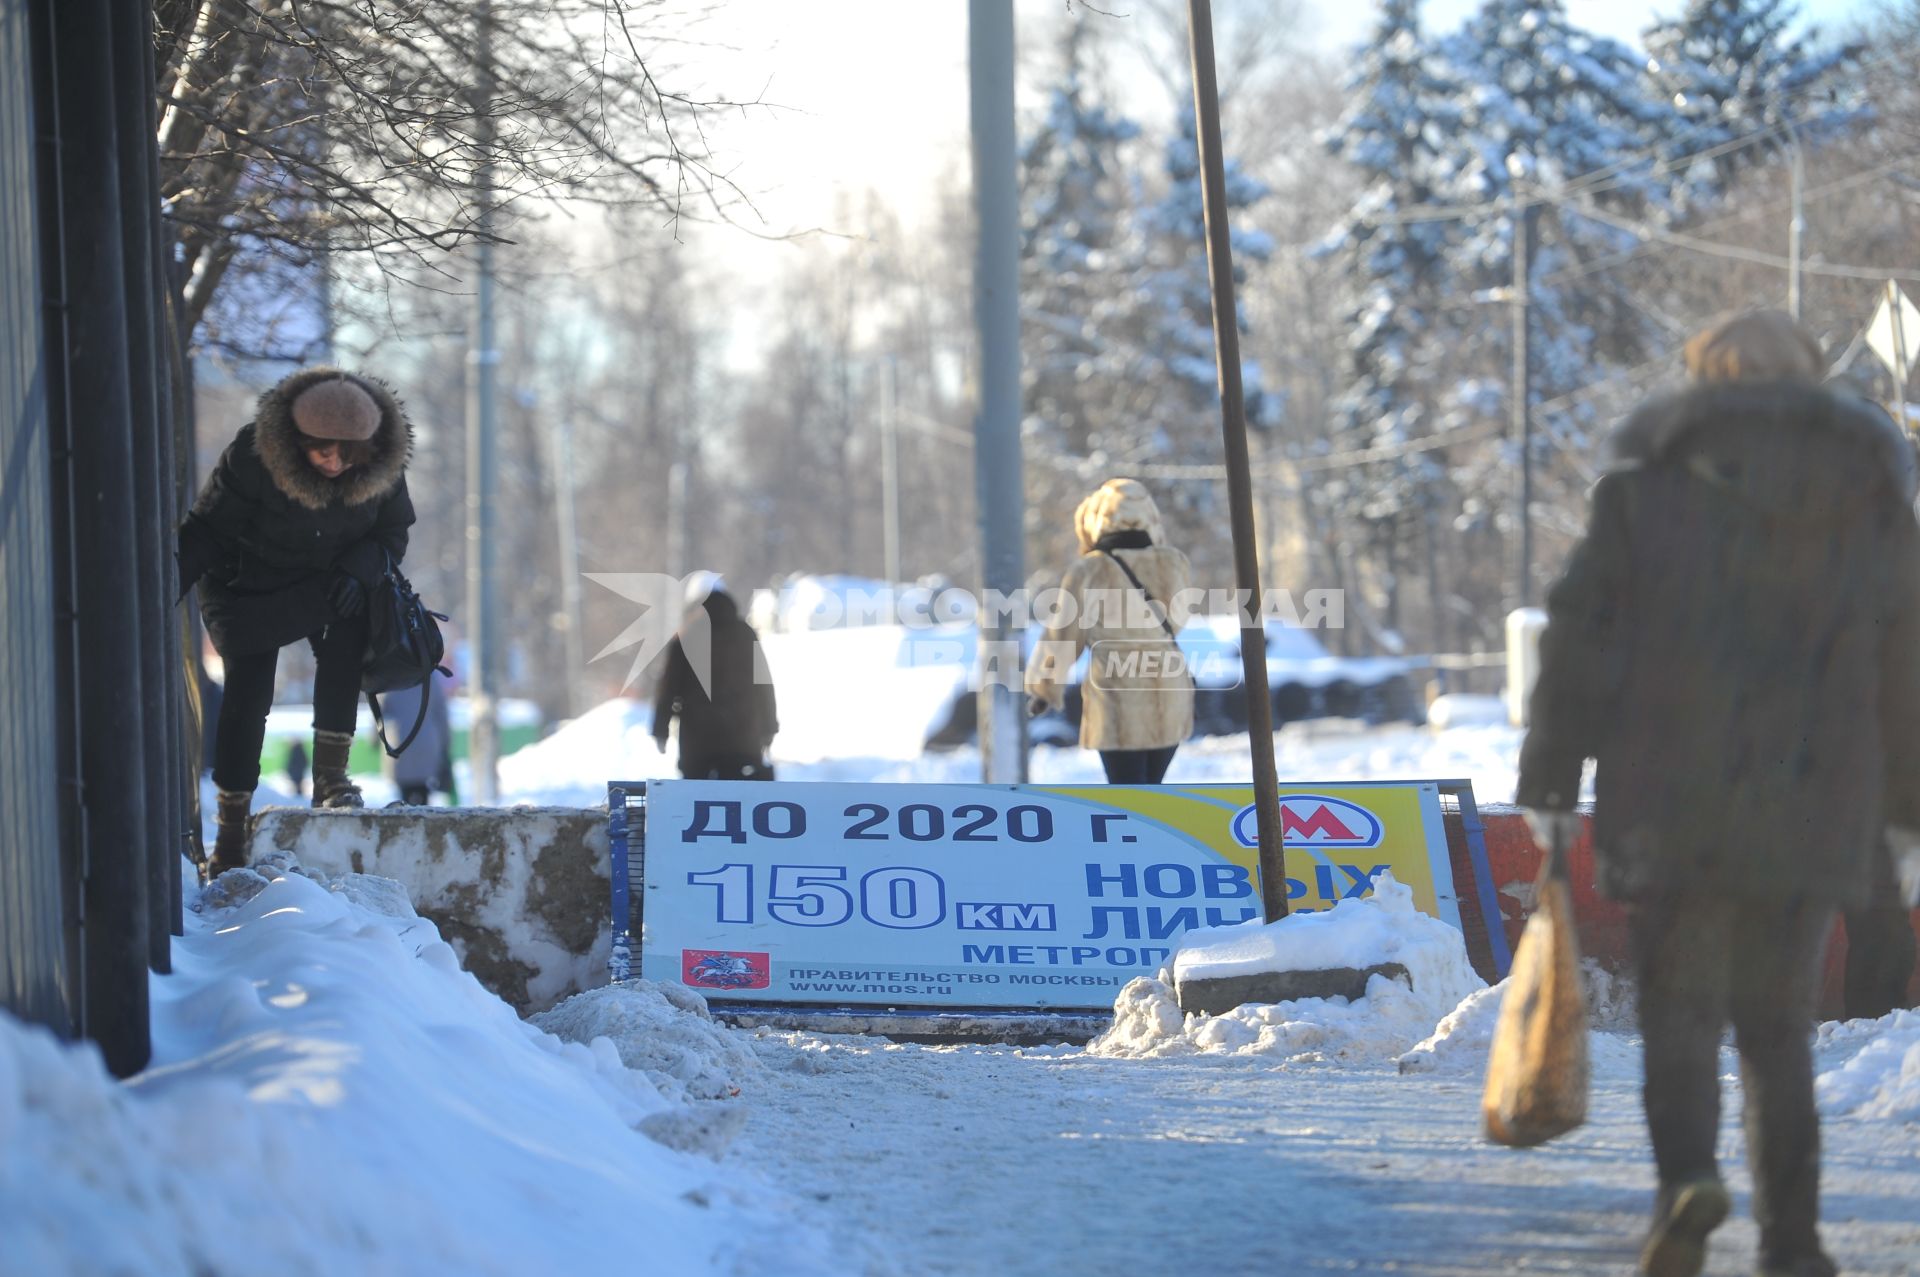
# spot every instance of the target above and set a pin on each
(195, 552)
(346, 595)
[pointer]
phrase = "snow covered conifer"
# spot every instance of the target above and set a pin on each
(1179, 419)
(1561, 119)
(1075, 287)
(1399, 130)
(1732, 70)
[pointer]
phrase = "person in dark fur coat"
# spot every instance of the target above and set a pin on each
(717, 682)
(1737, 642)
(299, 520)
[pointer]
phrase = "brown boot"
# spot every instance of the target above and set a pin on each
(1686, 1213)
(331, 788)
(230, 842)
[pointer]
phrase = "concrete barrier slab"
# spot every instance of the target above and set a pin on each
(1221, 994)
(519, 892)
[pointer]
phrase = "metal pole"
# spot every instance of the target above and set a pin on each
(1525, 217)
(91, 333)
(483, 739)
(1900, 369)
(1797, 227)
(569, 534)
(323, 288)
(890, 475)
(131, 43)
(677, 518)
(996, 310)
(1233, 431)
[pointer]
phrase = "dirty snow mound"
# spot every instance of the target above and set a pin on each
(1383, 927)
(661, 1030)
(1876, 1073)
(1462, 1039)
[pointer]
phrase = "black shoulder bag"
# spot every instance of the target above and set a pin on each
(404, 648)
(1165, 624)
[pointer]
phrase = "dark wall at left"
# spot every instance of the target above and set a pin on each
(95, 800)
(37, 977)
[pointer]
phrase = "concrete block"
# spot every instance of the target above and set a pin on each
(521, 893)
(1219, 995)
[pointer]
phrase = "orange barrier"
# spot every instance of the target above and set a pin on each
(1602, 923)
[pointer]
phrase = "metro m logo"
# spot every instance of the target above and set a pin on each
(1314, 820)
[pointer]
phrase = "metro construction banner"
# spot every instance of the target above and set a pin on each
(991, 896)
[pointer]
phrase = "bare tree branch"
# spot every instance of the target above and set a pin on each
(351, 125)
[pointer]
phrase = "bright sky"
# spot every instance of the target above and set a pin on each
(877, 89)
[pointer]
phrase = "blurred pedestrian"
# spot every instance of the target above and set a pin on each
(426, 764)
(716, 682)
(1737, 641)
(1137, 698)
(296, 767)
(299, 520)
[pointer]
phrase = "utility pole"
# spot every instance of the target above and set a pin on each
(890, 474)
(1233, 433)
(996, 310)
(483, 358)
(1798, 225)
(1526, 220)
(569, 537)
(323, 286)
(677, 514)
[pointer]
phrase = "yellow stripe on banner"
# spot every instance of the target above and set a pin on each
(1316, 821)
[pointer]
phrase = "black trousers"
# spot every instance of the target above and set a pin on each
(725, 767)
(1880, 948)
(1702, 962)
(338, 650)
(1137, 766)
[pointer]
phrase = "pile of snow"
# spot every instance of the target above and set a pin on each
(867, 691)
(857, 705)
(1462, 1040)
(663, 1031)
(1463, 709)
(571, 768)
(318, 1061)
(1380, 928)
(1871, 1068)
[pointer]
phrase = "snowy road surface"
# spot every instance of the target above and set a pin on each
(984, 1160)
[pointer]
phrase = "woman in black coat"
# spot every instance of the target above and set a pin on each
(301, 517)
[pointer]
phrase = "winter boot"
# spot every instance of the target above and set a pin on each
(230, 843)
(1677, 1246)
(331, 788)
(1814, 1265)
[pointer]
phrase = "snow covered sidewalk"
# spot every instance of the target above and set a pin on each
(978, 1160)
(1319, 1134)
(331, 1093)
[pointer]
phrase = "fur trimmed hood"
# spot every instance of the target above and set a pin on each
(1118, 505)
(277, 443)
(1793, 449)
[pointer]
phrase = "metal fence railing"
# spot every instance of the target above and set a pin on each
(627, 869)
